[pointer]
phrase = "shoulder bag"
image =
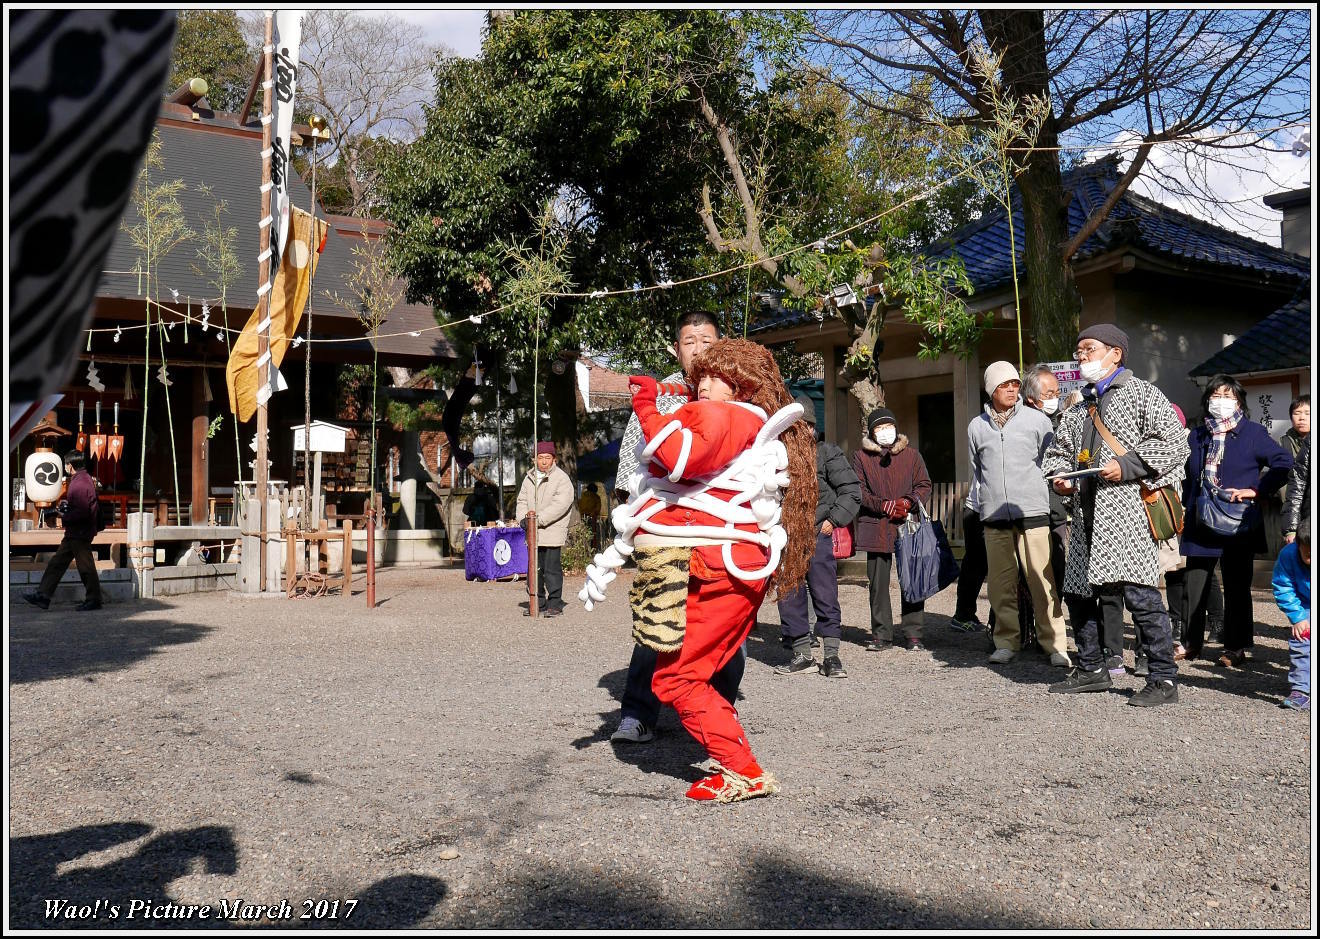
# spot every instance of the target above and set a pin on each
(842, 536)
(1216, 512)
(1164, 508)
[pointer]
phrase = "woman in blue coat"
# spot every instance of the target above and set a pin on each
(1239, 456)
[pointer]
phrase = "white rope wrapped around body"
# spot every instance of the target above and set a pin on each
(757, 477)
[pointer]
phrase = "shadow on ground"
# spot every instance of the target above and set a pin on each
(771, 892)
(41, 871)
(62, 643)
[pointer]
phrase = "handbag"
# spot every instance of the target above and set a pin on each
(923, 568)
(1215, 511)
(842, 536)
(1164, 508)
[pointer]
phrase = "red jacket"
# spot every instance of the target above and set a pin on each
(712, 435)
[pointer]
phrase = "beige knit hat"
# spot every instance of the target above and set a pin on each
(997, 373)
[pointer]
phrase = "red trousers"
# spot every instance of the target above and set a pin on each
(721, 611)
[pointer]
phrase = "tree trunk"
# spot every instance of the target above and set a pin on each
(561, 398)
(1049, 291)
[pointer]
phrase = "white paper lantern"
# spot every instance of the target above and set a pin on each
(44, 475)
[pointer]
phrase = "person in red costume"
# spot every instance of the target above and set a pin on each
(730, 497)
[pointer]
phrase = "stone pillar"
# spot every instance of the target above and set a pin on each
(274, 545)
(408, 504)
(142, 553)
(249, 570)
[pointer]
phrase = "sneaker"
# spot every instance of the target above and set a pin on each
(1298, 701)
(631, 730)
(554, 611)
(914, 645)
(970, 625)
(798, 665)
(37, 599)
(1154, 694)
(878, 645)
(1079, 679)
(1142, 669)
(728, 786)
(1179, 652)
(1061, 660)
(832, 667)
(88, 605)
(1115, 665)
(1002, 656)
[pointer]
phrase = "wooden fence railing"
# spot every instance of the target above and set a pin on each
(946, 507)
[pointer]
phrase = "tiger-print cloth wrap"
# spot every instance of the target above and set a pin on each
(659, 597)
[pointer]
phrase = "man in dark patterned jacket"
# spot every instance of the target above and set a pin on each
(1111, 550)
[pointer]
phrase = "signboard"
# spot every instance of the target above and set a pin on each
(327, 438)
(1268, 405)
(1069, 375)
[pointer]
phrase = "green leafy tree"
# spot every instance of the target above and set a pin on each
(209, 44)
(674, 145)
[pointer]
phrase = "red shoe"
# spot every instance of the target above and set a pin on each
(728, 786)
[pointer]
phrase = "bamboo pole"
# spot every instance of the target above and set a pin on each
(263, 335)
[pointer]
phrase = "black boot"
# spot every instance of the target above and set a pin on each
(1079, 679)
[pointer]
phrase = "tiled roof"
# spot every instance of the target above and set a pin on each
(1134, 221)
(229, 162)
(775, 314)
(1281, 340)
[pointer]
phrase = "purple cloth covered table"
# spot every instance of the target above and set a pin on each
(491, 553)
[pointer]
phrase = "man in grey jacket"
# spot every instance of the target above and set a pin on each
(839, 499)
(1005, 445)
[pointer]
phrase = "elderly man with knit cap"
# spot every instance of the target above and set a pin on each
(1125, 429)
(894, 480)
(548, 491)
(1005, 446)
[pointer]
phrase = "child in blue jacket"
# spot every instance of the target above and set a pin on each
(1292, 591)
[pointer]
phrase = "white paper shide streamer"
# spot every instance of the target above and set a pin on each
(288, 34)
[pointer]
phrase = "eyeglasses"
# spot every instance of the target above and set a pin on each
(1085, 352)
(1048, 395)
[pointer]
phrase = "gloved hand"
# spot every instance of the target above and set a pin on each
(888, 507)
(900, 509)
(643, 387)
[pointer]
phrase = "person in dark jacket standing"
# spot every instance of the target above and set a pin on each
(840, 497)
(80, 527)
(1239, 456)
(894, 479)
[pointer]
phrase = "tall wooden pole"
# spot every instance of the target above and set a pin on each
(263, 335)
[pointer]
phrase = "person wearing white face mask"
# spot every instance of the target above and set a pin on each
(1239, 457)
(894, 479)
(1040, 389)
(1005, 444)
(1126, 435)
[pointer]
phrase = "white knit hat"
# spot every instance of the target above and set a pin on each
(997, 373)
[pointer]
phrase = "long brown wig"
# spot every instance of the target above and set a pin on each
(751, 371)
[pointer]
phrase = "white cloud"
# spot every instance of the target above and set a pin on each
(460, 30)
(1222, 186)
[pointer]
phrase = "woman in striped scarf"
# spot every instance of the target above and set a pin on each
(1239, 456)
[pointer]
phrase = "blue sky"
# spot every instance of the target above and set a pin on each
(460, 30)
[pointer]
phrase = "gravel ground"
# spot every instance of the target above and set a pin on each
(445, 762)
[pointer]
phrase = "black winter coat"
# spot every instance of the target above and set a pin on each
(840, 490)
